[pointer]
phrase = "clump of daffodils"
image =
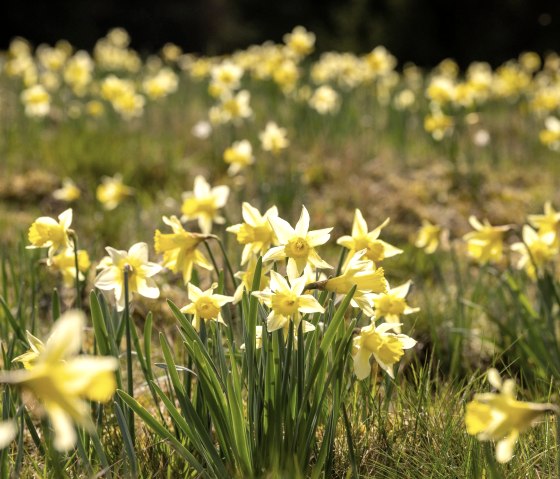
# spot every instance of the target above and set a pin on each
(501, 417)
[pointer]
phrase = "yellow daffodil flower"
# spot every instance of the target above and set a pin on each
(300, 41)
(287, 303)
(238, 156)
(247, 277)
(69, 191)
(274, 138)
(205, 305)
(392, 304)
(500, 417)
(377, 250)
(298, 245)
(29, 357)
(429, 236)
(256, 233)
(387, 348)
(536, 250)
(140, 272)
(203, 204)
(486, 243)
(112, 191)
(549, 222)
(179, 249)
(63, 382)
(65, 263)
(37, 101)
(46, 232)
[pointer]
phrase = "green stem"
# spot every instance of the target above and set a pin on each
(77, 266)
(130, 381)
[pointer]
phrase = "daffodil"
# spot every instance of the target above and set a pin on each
(179, 249)
(549, 222)
(28, 359)
(274, 138)
(256, 234)
(238, 156)
(37, 101)
(65, 263)
(428, 237)
(140, 272)
(392, 304)
(203, 204)
(298, 245)
(486, 243)
(112, 191)
(68, 192)
(63, 382)
(205, 305)
(300, 41)
(387, 348)
(361, 238)
(536, 250)
(500, 417)
(247, 278)
(46, 232)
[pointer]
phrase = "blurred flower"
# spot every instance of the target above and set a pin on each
(438, 124)
(65, 263)
(179, 249)
(63, 382)
(387, 348)
(203, 204)
(36, 100)
(112, 191)
(550, 136)
(429, 236)
(273, 138)
(536, 250)
(161, 84)
(69, 191)
(46, 232)
(205, 305)
(140, 272)
(486, 243)
(549, 222)
(500, 417)
(300, 41)
(324, 100)
(298, 245)
(202, 130)
(238, 156)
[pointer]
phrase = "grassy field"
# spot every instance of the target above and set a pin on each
(262, 361)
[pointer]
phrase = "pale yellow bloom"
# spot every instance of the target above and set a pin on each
(78, 72)
(549, 222)
(536, 250)
(203, 204)
(179, 249)
(387, 348)
(112, 191)
(46, 232)
(8, 432)
(65, 263)
(140, 272)
(392, 304)
(486, 243)
(428, 237)
(247, 278)
(205, 305)
(287, 303)
(324, 100)
(28, 359)
(298, 245)
(273, 138)
(500, 417)
(550, 136)
(438, 124)
(300, 41)
(162, 84)
(238, 156)
(63, 382)
(36, 100)
(256, 233)
(361, 238)
(68, 192)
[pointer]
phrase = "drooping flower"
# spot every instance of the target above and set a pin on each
(361, 238)
(203, 204)
(298, 245)
(179, 249)
(500, 417)
(140, 272)
(46, 232)
(64, 382)
(256, 233)
(112, 191)
(387, 348)
(287, 303)
(486, 243)
(205, 305)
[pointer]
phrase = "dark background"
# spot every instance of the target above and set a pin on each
(422, 31)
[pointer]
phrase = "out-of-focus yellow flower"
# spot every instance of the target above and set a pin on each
(112, 87)
(63, 382)
(36, 100)
(8, 432)
(438, 124)
(112, 191)
(51, 58)
(380, 62)
(300, 41)
(46, 232)
(549, 222)
(530, 61)
(377, 250)
(500, 417)
(286, 75)
(324, 100)
(95, 108)
(247, 278)
(238, 156)
(536, 250)
(273, 138)
(161, 84)
(129, 105)
(404, 100)
(225, 77)
(486, 243)
(387, 348)
(441, 90)
(68, 192)
(171, 52)
(205, 305)
(78, 72)
(140, 272)
(392, 304)
(287, 303)
(232, 108)
(65, 263)
(256, 233)
(550, 136)
(179, 249)
(298, 245)
(28, 359)
(429, 236)
(203, 204)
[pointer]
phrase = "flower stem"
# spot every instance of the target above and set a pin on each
(77, 266)
(130, 383)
